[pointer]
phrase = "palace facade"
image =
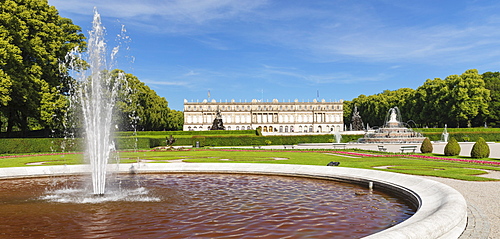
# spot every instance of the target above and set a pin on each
(277, 117)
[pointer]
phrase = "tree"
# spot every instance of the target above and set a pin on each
(468, 97)
(480, 149)
(348, 107)
(492, 83)
(175, 120)
(140, 107)
(373, 109)
(34, 40)
(431, 103)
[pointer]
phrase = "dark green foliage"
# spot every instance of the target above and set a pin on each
(452, 148)
(247, 140)
(38, 145)
(198, 140)
(47, 145)
(472, 134)
(480, 149)
(459, 101)
(492, 83)
(138, 143)
(426, 146)
(138, 105)
(34, 43)
(175, 133)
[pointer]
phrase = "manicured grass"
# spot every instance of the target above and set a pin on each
(399, 164)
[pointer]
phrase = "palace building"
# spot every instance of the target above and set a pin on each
(276, 117)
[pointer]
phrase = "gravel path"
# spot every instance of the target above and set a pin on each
(483, 200)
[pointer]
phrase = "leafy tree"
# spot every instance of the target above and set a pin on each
(139, 106)
(348, 107)
(468, 97)
(480, 149)
(175, 120)
(431, 103)
(492, 83)
(34, 40)
(452, 148)
(373, 109)
(426, 146)
(461, 100)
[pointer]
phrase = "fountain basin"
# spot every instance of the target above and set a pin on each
(442, 211)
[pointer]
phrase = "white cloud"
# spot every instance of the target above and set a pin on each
(153, 11)
(166, 83)
(323, 31)
(271, 73)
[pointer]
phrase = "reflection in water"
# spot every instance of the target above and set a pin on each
(199, 205)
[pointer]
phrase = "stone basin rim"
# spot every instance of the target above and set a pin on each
(441, 210)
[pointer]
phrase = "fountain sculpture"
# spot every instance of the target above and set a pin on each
(218, 124)
(393, 131)
(445, 135)
(357, 122)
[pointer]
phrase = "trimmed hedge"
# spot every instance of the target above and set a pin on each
(38, 145)
(261, 140)
(466, 136)
(458, 130)
(44, 145)
(174, 133)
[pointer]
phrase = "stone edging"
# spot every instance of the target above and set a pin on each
(442, 211)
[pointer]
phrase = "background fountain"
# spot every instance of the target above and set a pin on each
(393, 131)
(338, 137)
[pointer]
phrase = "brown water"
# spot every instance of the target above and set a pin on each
(198, 206)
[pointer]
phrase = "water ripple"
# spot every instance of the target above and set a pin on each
(197, 206)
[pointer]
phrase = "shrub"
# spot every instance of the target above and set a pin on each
(480, 149)
(452, 148)
(426, 146)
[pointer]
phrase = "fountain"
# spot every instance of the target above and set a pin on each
(96, 92)
(338, 137)
(393, 131)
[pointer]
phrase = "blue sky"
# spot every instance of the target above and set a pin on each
(293, 49)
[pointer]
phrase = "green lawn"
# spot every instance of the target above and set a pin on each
(429, 167)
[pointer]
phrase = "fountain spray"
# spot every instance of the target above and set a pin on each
(96, 91)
